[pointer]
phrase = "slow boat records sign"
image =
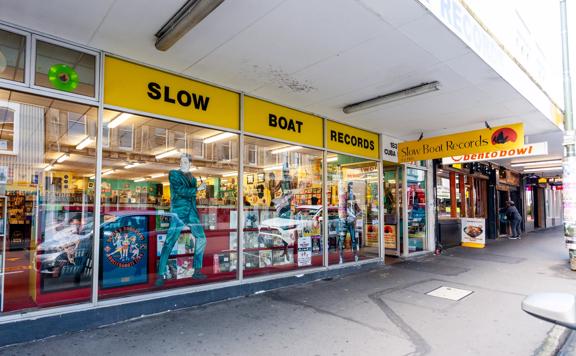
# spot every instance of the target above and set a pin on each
(125, 257)
(477, 141)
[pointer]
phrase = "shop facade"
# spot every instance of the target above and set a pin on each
(121, 182)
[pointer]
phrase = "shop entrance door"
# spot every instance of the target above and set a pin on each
(3, 219)
(392, 226)
(502, 221)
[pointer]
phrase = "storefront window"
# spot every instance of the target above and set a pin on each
(169, 207)
(65, 69)
(282, 207)
(353, 204)
(416, 205)
(12, 56)
(47, 204)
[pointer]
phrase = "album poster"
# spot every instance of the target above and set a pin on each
(124, 257)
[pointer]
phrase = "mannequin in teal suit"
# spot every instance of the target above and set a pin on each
(183, 188)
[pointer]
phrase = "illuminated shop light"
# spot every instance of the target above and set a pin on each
(137, 180)
(119, 120)
(230, 174)
(48, 168)
(107, 172)
(543, 169)
(132, 165)
(158, 175)
(218, 137)
(332, 159)
(273, 168)
(169, 153)
(539, 163)
(286, 149)
(84, 143)
(63, 158)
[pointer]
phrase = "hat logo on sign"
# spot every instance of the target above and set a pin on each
(504, 135)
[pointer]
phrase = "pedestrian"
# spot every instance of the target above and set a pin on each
(515, 219)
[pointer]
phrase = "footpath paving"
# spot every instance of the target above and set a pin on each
(383, 311)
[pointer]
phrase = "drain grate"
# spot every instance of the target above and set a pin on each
(450, 293)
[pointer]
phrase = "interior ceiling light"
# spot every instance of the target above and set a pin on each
(286, 149)
(391, 97)
(63, 158)
(132, 165)
(218, 137)
(107, 172)
(230, 174)
(158, 175)
(544, 169)
(188, 16)
(119, 120)
(332, 159)
(48, 168)
(136, 180)
(273, 168)
(84, 143)
(539, 163)
(169, 153)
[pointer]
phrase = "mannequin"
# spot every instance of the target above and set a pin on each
(183, 188)
(348, 224)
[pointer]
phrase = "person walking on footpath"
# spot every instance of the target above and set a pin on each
(515, 219)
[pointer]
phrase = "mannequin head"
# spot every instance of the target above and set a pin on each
(185, 162)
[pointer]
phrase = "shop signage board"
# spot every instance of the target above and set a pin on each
(348, 139)
(478, 141)
(473, 232)
(140, 88)
(276, 121)
(390, 149)
(528, 150)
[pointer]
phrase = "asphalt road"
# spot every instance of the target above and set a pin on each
(383, 311)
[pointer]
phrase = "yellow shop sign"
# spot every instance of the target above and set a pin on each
(349, 139)
(270, 120)
(137, 87)
(477, 141)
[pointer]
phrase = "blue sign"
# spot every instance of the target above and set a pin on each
(124, 257)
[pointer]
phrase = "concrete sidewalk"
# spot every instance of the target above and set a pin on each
(382, 311)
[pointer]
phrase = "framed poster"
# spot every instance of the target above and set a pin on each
(473, 232)
(261, 177)
(124, 257)
(250, 179)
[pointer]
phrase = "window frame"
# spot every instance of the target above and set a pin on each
(15, 108)
(27, 57)
(32, 68)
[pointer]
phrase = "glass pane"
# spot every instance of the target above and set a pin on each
(9, 112)
(169, 218)
(65, 69)
(353, 194)
(12, 56)
(282, 208)
(49, 205)
(390, 209)
(416, 205)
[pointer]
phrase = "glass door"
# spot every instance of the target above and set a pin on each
(391, 211)
(2, 248)
(416, 209)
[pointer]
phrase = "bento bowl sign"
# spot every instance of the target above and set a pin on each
(477, 141)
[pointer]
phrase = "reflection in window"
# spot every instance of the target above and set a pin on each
(49, 204)
(282, 208)
(353, 196)
(12, 56)
(170, 214)
(9, 118)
